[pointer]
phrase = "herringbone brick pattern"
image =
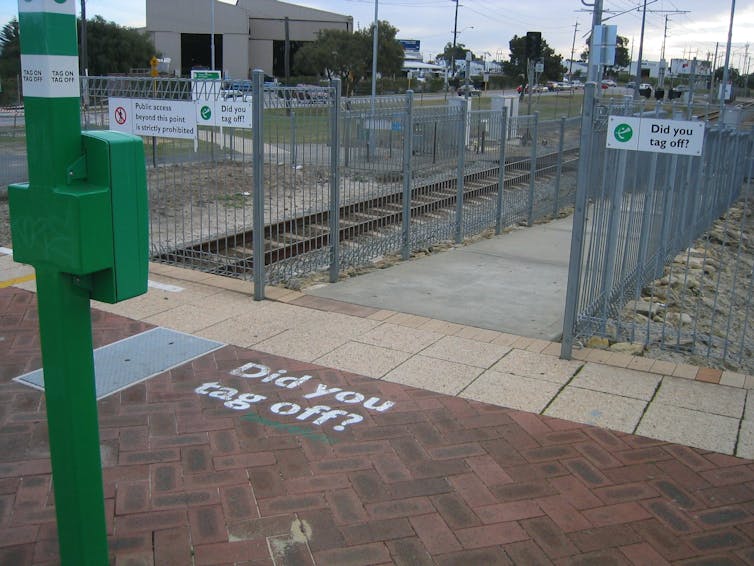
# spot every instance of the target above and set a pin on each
(212, 464)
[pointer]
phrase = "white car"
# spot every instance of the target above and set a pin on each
(233, 94)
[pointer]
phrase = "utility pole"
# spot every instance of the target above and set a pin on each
(212, 35)
(573, 48)
(593, 71)
(582, 183)
(661, 77)
(726, 71)
(641, 48)
(84, 60)
(745, 69)
(714, 68)
(455, 34)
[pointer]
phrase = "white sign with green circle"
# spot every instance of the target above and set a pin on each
(680, 137)
(230, 113)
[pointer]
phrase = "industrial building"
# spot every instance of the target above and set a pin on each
(248, 34)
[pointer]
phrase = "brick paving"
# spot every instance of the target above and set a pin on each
(212, 464)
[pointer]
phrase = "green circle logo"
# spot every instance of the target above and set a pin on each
(623, 132)
(206, 112)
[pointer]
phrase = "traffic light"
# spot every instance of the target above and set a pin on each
(533, 44)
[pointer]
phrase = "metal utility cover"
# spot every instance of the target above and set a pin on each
(137, 358)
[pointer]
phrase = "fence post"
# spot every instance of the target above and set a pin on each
(613, 224)
(408, 139)
(667, 213)
(334, 182)
(533, 170)
(501, 172)
(579, 223)
(460, 173)
(561, 140)
(649, 203)
(257, 124)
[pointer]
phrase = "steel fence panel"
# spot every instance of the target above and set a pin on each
(13, 166)
(664, 260)
(347, 181)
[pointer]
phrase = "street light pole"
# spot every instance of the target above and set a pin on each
(212, 33)
(455, 34)
(724, 86)
(374, 54)
(84, 54)
(573, 48)
(641, 48)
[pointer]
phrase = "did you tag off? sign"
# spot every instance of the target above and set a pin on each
(650, 134)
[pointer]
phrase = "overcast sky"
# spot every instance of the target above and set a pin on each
(486, 26)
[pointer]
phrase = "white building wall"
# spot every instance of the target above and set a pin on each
(248, 28)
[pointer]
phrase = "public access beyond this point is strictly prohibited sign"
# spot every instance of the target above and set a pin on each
(651, 134)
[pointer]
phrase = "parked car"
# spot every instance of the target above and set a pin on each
(472, 90)
(234, 94)
(607, 83)
(537, 88)
(577, 84)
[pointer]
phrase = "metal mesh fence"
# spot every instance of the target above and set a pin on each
(13, 167)
(666, 251)
(336, 183)
(319, 182)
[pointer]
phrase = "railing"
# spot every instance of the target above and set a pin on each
(666, 254)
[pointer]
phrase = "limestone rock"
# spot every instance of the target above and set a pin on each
(628, 348)
(645, 307)
(679, 317)
(598, 342)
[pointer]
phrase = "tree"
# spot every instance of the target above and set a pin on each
(449, 54)
(390, 50)
(10, 50)
(116, 49)
(622, 55)
(111, 48)
(733, 75)
(516, 66)
(338, 53)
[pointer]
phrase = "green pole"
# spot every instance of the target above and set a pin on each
(49, 68)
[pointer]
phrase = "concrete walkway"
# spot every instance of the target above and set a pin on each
(513, 284)
(412, 440)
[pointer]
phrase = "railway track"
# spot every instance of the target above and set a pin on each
(232, 254)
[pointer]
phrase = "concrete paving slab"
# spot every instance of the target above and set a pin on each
(532, 364)
(241, 333)
(689, 427)
(699, 396)
(403, 338)
(511, 283)
(617, 381)
(190, 317)
(749, 408)
(335, 323)
(301, 344)
(433, 374)
(597, 408)
(514, 391)
(364, 359)
(469, 352)
(745, 446)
